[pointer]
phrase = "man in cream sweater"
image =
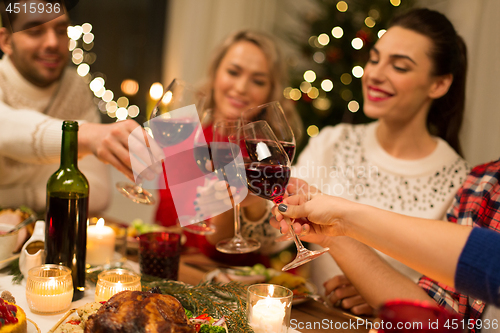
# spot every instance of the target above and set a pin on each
(37, 92)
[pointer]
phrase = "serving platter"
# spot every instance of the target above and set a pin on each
(73, 315)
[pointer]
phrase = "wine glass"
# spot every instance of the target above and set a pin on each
(267, 169)
(275, 117)
(202, 156)
(223, 155)
(171, 122)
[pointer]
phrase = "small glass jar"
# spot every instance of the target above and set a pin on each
(49, 289)
(269, 307)
(113, 281)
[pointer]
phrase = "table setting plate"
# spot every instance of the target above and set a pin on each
(32, 326)
(6, 262)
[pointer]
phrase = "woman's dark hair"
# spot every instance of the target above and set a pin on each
(449, 56)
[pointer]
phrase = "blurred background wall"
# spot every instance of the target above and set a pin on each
(157, 40)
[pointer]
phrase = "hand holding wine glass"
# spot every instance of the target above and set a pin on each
(267, 169)
(171, 122)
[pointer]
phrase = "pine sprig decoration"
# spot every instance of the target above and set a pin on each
(214, 299)
(15, 271)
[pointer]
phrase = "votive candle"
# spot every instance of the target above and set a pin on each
(113, 281)
(269, 308)
(100, 244)
(49, 289)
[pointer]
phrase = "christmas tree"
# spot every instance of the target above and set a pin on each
(327, 84)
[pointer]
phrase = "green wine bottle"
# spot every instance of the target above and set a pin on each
(67, 212)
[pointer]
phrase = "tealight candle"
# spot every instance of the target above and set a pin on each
(113, 281)
(100, 244)
(269, 308)
(49, 289)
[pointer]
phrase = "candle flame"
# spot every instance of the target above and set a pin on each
(167, 98)
(271, 290)
(100, 223)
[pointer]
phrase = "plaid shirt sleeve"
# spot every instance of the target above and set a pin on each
(476, 204)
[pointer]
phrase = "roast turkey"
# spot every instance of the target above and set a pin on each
(138, 312)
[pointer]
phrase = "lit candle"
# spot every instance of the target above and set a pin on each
(267, 316)
(49, 289)
(100, 244)
(50, 297)
(113, 281)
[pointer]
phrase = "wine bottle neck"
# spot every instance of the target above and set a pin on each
(69, 149)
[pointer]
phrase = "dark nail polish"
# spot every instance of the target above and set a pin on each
(282, 207)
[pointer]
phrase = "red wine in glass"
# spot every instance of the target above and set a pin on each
(202, 155)
(267, 181)
(289, 149)
(168, 132)
(267, 168)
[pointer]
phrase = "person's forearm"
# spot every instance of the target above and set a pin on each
(372, 277)
(224, 226)
(429, 246)
(256, 211)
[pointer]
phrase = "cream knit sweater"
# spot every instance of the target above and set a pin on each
(30, 137)
(347, 161)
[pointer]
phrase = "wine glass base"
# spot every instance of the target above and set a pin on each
(304, 257)
(238, 245)
(201, 228)
(135, 193)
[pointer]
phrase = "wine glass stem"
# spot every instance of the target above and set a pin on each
(237, 224)
(296, 239)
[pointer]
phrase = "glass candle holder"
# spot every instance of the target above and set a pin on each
(113, 281)
(269, 307)
(49, 289)
(159, 254)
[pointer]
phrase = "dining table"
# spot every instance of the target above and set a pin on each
(310, 316)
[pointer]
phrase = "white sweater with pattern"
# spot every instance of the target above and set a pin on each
(347, 161)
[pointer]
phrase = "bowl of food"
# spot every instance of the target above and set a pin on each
(7, 244)
(12, 217)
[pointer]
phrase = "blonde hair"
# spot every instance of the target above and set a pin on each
(277, 70)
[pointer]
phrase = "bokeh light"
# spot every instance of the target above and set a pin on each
(337, 32)
(323, 39)
(357, 43)
(327, 85)
(353, 106)
(309, 76)
(129, 87)
(346, 78)
(357, 71)
(342, 6)
(156, 90)
(312, 131)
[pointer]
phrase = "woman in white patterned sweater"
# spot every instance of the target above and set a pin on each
(409, 160)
